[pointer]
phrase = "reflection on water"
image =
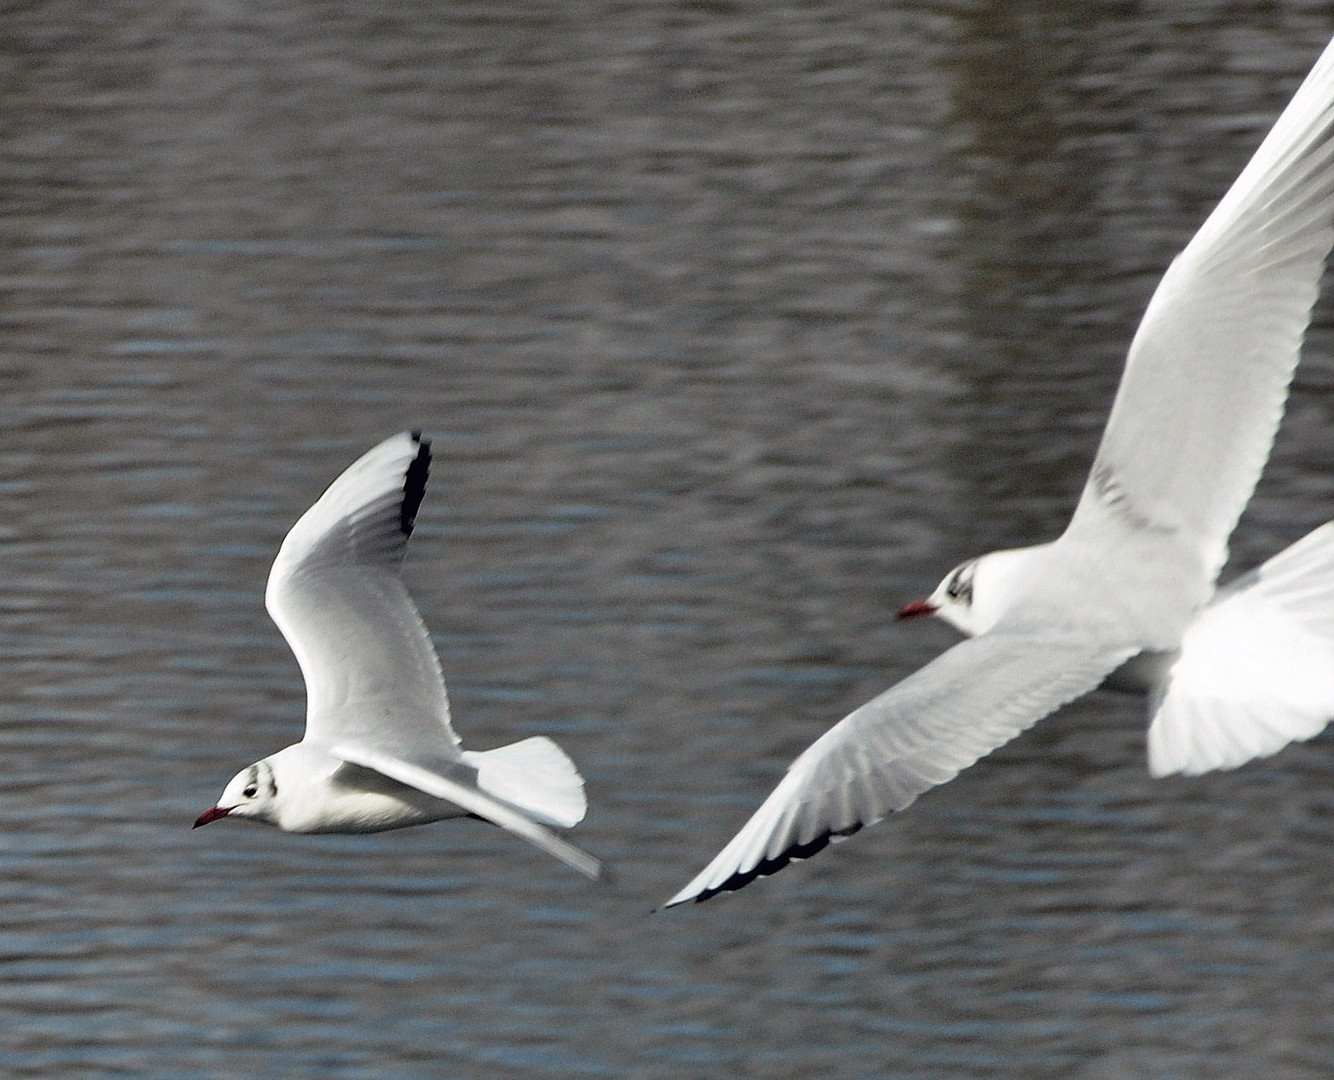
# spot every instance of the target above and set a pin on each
(734, 328)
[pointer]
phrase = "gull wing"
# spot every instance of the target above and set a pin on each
(920, 733)
(370, 670)
(1207, 375)
(470, 799)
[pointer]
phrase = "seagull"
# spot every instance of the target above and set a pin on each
(1127, 594)
(379, 751)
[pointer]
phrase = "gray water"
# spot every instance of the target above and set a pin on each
(735, 326)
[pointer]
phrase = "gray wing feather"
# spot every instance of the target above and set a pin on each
(470, 799)
(916, 735)
(1207, 375)
(371, 672)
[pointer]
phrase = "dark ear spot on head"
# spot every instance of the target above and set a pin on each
(960, 586)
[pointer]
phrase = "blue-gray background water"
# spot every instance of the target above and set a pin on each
(735, 326)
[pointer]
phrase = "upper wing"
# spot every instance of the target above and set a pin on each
(965, 703)
(334, 591)
(471, 800)
(1208, 371)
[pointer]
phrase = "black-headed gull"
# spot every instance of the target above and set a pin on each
(379, 752)
(1129, 587)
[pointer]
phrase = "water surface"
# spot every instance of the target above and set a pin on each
(734, 328)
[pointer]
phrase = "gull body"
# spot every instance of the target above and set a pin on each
(379, 751)
(1127, 596)
(304, 788)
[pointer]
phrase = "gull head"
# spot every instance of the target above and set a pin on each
(976, 593)
(952, 600)
(251, 793)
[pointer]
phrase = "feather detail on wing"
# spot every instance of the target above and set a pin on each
(1208, 372)
(920, 733)
(472, 800)
(334, 591)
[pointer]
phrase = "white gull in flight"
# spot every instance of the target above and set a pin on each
(379, 752)
(1129, 587)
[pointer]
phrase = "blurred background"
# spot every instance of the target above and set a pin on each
(735, 326)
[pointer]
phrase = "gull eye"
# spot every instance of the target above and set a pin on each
(250, 792)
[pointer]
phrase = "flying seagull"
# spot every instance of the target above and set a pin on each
(379, 751)
(1129, 587)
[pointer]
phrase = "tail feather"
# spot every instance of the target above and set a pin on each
(534, 776)
(1299, 579)
(1256, 669)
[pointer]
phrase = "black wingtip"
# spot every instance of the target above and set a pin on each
(414, 484)
(795, 853)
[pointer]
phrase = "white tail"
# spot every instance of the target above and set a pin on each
(1256, 669)
(534, 776)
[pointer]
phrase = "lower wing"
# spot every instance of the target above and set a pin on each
(922, 732)
(471, 800)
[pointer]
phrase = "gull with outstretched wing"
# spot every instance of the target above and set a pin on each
(1129, 589)
(379, 751)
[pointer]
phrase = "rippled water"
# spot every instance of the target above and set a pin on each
(734, 327)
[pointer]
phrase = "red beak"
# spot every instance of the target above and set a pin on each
(916, 608)
(211, 814)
